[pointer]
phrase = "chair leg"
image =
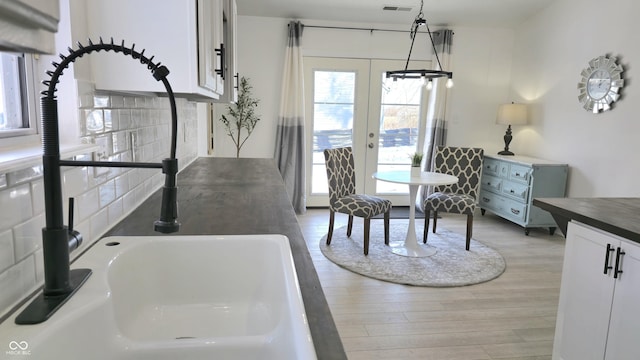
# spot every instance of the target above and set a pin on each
(469, 230)
(386, 227)
(367, 224)
(330, 233)
(427, 214)
(435, 221)
(349, 225)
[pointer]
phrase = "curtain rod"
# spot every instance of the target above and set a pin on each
(352, 28)
(359, 28)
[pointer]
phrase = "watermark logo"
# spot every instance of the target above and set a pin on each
(18, 348)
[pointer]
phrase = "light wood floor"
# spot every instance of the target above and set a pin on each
(511, 317)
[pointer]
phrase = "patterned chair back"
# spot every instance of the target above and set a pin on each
(341, 173)
(465, 163)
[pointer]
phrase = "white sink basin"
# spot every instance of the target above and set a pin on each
(177, 297)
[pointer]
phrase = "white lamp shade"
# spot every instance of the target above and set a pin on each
(512, 114)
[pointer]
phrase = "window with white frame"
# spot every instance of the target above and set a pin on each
(15, 117)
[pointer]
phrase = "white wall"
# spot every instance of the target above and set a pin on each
(550, 52)
(481, 66)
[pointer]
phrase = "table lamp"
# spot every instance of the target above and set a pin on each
(510, 114)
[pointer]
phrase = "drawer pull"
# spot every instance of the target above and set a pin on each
(515, 211)
(607, 267)
(485, 199)
(617, 270)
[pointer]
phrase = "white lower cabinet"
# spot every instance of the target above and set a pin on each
(598, 313)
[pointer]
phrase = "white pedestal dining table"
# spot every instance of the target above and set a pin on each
(411, 247)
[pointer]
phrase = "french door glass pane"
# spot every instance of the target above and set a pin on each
(400, 109)
(333, 110)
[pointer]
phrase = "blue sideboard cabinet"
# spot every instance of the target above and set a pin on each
(510, 183)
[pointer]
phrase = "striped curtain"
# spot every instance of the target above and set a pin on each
(435, 129)
(290, 143)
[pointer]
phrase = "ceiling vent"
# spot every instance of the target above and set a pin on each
(396, 8)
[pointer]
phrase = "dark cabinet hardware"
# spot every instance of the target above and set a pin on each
(607, 267)
(618, 268)
(220, 52)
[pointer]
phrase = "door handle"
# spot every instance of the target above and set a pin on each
(607, 267)
(618, 268)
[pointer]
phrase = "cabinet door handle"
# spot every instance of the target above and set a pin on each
(607, 267)
(220, 52)
(618, 268)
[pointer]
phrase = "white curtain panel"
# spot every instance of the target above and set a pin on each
(290, 143)
(435, 129)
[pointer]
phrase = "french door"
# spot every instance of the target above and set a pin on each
(349, 102)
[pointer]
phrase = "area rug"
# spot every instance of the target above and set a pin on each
(450, 266)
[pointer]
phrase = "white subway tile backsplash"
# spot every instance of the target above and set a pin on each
(129, 202)
(28, 236)
(75, 181)
(117, 101)
(94, 121)
(99, 223)
(141, 195)
(39, 266)
(115, 211)
(129, 102)
(6, 250)
(123, 125)
(24, 175)
(101, 101)
(107, 193)
(16, 282)
(17, 204)
(136, 118)
(108, 119)
(120, 141)
(124, 116)
(87, 204)
(134, 178)
(121, 184)
(37, 196)
(141, 102)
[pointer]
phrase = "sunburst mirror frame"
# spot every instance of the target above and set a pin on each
(602, 70)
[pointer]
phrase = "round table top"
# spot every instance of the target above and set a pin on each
(424, 178)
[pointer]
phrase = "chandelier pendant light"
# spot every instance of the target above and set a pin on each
(425, 74)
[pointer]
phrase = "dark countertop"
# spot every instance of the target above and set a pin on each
(227, 196)
(619, 216)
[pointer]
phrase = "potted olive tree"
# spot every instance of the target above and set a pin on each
(242, 118)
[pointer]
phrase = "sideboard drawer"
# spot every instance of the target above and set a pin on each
(491, 167)
(516, 209)
(491, 201)
(519, 173)
(491, 183)
(518, 191)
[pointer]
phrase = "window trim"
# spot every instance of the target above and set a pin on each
(29, 108)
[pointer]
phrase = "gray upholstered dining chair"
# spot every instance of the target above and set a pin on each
(459, 198)
(341, 177)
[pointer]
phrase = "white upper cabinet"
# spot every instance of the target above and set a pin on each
(28, 25)
(184, 35)
(231, 77)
